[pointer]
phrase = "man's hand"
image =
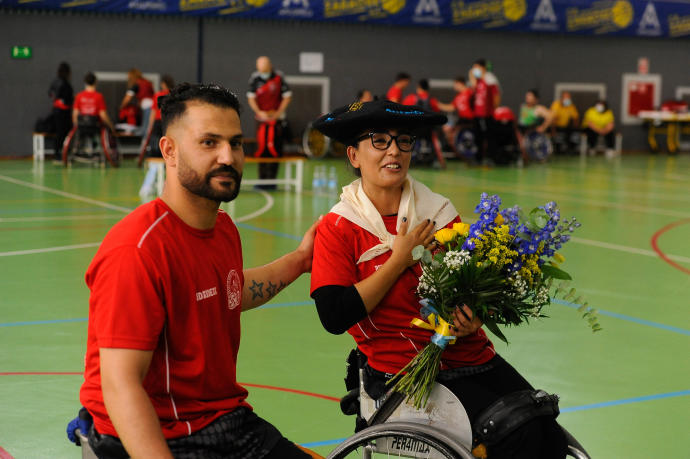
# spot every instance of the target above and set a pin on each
(465, 322)
(422, 234)
(306, 247)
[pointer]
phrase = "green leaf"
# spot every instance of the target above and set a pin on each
(538, 217)
(417, 252)
(426, 257)
(581, 308)
(493, 328)
(556, 273)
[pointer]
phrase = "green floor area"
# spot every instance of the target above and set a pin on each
(625, 392)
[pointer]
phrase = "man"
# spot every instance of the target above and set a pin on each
(269, 96)
(462, 105)
(167, 288)
(600, 122)
(62, 96)
(395, 92)
(89, 105)
(565, 119)
(154, 131)
(486, 99)
(533, 115)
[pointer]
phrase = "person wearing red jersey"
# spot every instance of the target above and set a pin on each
(269, 96)
(395, 92)
(364, 278)
(154, 131)
(486, 99)
(462, 106)
(140, 95)
(89, 105)
(422, 98)
(167, 289)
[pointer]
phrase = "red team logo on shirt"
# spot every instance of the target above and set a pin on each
(234, 289)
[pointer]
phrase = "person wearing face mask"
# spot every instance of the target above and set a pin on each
(565, 119)
(269, 96)
(599, 121)
(486, 98)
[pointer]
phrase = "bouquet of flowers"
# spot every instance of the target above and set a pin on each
(505, 267)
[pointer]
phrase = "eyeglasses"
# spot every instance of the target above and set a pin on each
(383, 140)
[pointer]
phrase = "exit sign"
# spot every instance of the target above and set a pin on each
(21, 52)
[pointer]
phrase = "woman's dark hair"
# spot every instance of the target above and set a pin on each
(402, 76)
(169, 81)
(534, 92)
(174, 104)
(63, 70)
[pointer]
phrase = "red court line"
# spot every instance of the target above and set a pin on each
(4, 454)
(259, 386)
(661, 254)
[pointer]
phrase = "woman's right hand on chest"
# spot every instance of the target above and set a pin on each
(405, 241)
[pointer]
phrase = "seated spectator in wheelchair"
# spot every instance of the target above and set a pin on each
(364, 278)
(566, 119)
(600, 122)
(89, 111)
(462, 106)
(533, 116)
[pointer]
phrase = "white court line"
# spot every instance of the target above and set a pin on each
(623, 248)
(45, 219)
(49, 249)
(269, 203)
(64, 194)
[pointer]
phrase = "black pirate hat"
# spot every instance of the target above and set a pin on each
(344, 124)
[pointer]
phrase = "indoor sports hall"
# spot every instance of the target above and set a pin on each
(624, 390)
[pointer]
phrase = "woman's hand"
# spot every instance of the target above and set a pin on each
(465, 322)
(422, 234)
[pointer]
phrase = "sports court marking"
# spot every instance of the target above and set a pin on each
(668, 258)
(55, 218)
(49, 249)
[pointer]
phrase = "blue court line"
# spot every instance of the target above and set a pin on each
(624, 401)
(42, 322)
(267, 231)
(617, 315)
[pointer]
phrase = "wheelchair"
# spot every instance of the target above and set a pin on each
(396, 428)
(427, 149)
(90, 142)
(537, 145)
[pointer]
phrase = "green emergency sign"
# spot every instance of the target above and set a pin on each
(21, 52)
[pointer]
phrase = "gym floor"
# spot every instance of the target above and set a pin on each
(625, 391)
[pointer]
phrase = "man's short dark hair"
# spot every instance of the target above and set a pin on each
(174, 104)
(461, 79)
(90, 79)
(423, 84)
(481, 62)
(402, 76)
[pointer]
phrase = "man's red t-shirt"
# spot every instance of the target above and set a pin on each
(463, 104)
(156, 106)
(484, 96)
(89, 103)
(394, 94)
(160, 285)
(385, 335)
(423, 100)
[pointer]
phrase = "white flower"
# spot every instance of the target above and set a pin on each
(454, 259)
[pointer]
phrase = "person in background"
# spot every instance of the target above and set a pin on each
(167, 287)
(269, 97)
(462, 105)
(89, 105)
(422, 98)
(565, 119)
(155, 129)
(364, 95)
(600, 122)
(139, 93)
(486, 99)
(395, 92)
(62, 95)
(533, 115)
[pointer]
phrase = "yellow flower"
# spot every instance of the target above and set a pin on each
(462, 228)
(445, 235)
(499, 219)
(558, 257)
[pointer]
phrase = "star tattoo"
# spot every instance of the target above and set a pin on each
(257, 289)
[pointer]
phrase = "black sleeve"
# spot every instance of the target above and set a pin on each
(339, 307)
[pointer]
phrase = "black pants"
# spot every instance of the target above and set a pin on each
(267, 135)
(483, 137)
(478, 387)
(154, 142)
(63, 124)
(237, 435)
(592, 138)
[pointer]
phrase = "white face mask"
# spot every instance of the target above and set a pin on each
(567, 102)
(477, 73)
(600, 108)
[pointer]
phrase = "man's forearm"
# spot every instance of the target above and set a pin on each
(135, 420)
(263, 283)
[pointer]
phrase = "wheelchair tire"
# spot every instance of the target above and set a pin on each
(315, 144)
(538, 146)
(392, 437)
(69, 144)
(109, 144)
(465, 144)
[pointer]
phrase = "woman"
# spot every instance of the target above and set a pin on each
(364, 278)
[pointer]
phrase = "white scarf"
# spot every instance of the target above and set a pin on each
(417, 203)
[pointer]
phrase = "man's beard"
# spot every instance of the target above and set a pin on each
(199, 186)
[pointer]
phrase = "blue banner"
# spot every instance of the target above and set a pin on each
(601, 17)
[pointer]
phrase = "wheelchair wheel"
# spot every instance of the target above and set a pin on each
(70, 146)
(109, 144)
(314, 143)
(400, 439)
(538, 146)
(465, 144)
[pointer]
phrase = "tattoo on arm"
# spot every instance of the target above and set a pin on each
(257, 289)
